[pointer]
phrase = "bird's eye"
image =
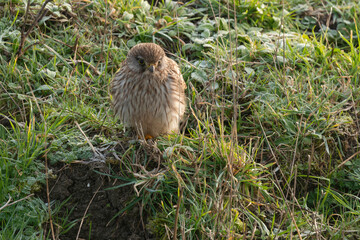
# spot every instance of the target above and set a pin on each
(141, 61)
(159, 62)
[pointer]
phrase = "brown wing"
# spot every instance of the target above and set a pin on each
(176, 71)
(119, 76)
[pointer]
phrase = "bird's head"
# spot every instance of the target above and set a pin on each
(146, 58)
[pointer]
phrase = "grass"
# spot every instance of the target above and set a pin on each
(271, 143)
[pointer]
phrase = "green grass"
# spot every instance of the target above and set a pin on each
(271, 144)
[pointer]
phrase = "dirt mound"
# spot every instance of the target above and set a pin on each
(82, 190)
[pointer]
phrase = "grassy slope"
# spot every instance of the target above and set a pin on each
(272, 135)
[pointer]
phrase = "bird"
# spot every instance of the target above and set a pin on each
(148, 92)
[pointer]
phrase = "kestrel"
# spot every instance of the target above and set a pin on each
(148, 91)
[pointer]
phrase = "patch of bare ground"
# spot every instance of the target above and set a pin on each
(89, 204)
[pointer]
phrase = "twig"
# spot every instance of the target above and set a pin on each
(22, 125)
(182, 59)
(32, 44)
(8, 204)
(87, 139)
(86, 210)
(23, 26)
(75, 62)
(39, 16)
(348, 159)
(57, 40)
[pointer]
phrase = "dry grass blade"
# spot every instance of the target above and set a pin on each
(9, 203)
(87, 209)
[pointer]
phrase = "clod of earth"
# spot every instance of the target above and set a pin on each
(78, 186)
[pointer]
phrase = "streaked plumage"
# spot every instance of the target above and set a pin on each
(148, 91)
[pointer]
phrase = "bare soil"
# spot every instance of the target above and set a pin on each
(82, 191)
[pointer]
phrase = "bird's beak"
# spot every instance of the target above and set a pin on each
(151, 67)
